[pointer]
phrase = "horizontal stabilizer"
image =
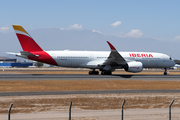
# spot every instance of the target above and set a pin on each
(28, 54)
(13, 53)
(17, 54)
(23, 54)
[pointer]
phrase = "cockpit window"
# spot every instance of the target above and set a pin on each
(170, 58)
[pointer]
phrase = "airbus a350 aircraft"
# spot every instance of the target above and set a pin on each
(105, 61)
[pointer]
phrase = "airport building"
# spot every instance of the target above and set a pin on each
(13, 63)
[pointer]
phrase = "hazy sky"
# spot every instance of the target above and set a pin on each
(139, 25)
(157, 19)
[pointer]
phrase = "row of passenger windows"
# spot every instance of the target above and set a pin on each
(102, 57)
(70, 57)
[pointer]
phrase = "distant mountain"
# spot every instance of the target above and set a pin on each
(56, 39)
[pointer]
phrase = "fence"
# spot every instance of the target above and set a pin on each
(89, 103)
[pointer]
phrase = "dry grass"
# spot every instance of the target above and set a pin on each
(78, 85)
(90, 102)
(85, 85)
(25, 104)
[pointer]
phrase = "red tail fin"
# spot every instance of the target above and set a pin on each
(26, 41)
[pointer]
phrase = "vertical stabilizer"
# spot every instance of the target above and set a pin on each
(26, 41)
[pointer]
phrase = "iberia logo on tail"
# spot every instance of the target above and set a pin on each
(30, 48)
(19, 30)
(27, 43)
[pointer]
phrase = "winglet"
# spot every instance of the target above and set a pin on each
(115, 55)
(111, 46)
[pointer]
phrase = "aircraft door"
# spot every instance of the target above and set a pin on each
(92, 57)
(65, 62)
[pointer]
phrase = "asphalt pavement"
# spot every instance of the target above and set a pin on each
(30, 77)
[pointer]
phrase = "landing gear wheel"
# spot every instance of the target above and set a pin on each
(90, 72)
(166, 72)
(103, 72)
(93, 72)
(106, 73)
(96, 72)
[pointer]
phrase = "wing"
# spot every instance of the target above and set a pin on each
(114, 57)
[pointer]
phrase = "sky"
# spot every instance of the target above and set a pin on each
(135, 19)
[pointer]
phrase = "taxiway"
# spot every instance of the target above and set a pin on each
(30, 77)
(87, 92)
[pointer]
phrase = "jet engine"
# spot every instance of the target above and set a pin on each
(133, 67)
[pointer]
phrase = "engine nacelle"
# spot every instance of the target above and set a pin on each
(133, 67)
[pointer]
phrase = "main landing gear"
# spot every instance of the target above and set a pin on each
(93, 72)
(106, 72)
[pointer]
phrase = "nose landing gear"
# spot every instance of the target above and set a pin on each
(166, 72)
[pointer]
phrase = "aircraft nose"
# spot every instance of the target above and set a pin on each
(173, 63)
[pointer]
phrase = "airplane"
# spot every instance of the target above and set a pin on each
(175, 67)
(105, 61)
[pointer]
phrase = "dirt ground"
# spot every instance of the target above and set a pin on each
(85, 85)
(91, 106)
(130, 114)
(80, 85)
(87, 106)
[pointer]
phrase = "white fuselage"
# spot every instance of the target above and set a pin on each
(94, 59)
(102, 60)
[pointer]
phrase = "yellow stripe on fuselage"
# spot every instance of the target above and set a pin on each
(19, 28)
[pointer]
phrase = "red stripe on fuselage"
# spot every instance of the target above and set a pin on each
(43, 57)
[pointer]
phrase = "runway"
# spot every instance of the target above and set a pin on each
(87, 92)
(30, 77)
(39, 77)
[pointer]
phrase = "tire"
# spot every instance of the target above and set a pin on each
(90, 73)
(103, 73)
(106, 73)
(165, 73)
(93, 72)
(96, 72)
